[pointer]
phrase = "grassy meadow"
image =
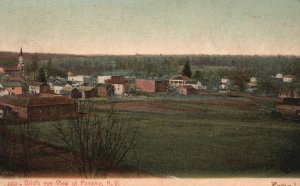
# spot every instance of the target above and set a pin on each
(207, 136)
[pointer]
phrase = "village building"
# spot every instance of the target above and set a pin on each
(120, 85)
(81, 80)
(178, 81)
(224, 86)
(56, 84)
(71, 92)
(278, 76)
(88, 92)
(196, 84)
(151, 86)
(39, 87)
(13, 87)
(102, 79)
(37, 107)
(252, 85)
(105, 90)
(288, 78)
(186, 90)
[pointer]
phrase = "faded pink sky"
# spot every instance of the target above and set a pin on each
(151, 26)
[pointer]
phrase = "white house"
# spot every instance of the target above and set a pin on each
(179, 81)
(80, 79)
(287, 78)
(278, 76)
(224, 85)
(58, 88)
(121, 86)
(102, 79)
(225, 80)
(196, 84)
(57, 84)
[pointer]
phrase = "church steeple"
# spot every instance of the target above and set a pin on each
(21, 63)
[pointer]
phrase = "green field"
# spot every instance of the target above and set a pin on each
(222, 140)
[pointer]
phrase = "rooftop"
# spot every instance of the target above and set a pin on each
(85, 88)
(116, 81)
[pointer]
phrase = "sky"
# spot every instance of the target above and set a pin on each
(267, 27)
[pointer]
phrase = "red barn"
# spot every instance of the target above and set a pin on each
(151, 86)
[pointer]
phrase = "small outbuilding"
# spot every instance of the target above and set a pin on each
(186, 90)
(70, 92)
(105, 90)
(88, 91)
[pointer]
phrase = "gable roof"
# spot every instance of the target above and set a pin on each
(68, 89)
(12, 84)
(9, 78)
(85, 88)
(35, 100)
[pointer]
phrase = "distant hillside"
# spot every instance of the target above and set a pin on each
(15, 55)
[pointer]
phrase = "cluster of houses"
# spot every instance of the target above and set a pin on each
(54, 96)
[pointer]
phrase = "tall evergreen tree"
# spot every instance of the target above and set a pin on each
(34, 65)
(42, 76)
(49, 67)
(186, 71)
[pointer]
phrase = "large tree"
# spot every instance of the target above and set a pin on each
(186, 71)
(34, 65)
(42, 76)
(97, 144)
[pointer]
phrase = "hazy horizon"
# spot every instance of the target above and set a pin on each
(149, 27)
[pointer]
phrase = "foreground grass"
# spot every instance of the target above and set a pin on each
(220, 141)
